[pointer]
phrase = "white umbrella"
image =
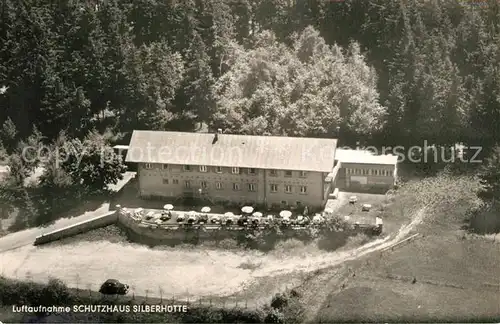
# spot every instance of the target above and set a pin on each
(328, 210)
(205, 209)
(285, 213)
(247, 209)
(168, 207)
(192, 215)
(318, 219)
(258, 214)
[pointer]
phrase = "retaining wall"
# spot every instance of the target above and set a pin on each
(150, 234)
(78, 228)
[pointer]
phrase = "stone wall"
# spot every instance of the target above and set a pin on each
(82, 227)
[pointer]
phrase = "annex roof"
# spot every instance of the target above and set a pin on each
(244, 151)
(364, 157)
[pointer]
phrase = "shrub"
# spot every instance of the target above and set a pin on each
(279, 301)
(55, 293)
(274, 316)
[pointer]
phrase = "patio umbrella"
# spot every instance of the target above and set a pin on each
(247, 209)
(192, 215)
(285, 213)
(168, 207)
(257, 214)
(318, 219)
(205, 209)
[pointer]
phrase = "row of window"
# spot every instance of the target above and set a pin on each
(375, 172)
(234, 170)
(237, 186)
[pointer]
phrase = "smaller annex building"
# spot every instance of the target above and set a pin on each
(363, 171)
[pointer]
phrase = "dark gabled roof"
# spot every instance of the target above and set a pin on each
(244, 151)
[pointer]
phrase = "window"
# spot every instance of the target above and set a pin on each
(204, 185)
(251, 187)
(218, 185)
(288, 188)
(284, 202)
(203, 168)
(148, 166)
(375, 172)
(187, 184)
(164, 166)
(252, 171)
(175, 181)
(303, 174)
(236, 186)
(288, 173)
(365, 171)
(187, 168)
(235, 170)
(303, 189)
(273, 173)
(274, 188)
(218, 169)
(165, 181)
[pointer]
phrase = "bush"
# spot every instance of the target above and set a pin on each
(55, 293)
(275, 317)
(227, 244)
(279, 301)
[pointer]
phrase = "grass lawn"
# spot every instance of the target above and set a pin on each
(456, 280)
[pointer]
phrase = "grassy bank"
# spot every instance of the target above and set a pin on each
(56, 293)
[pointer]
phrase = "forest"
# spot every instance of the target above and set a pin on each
(88, 72)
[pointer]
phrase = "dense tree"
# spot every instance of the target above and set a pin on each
(91, 163)
(308, 89)
(490, 176)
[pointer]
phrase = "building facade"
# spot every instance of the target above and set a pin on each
(233, 184)
(269, 170)
(362, 171)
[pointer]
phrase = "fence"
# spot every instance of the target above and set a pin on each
(159, 296)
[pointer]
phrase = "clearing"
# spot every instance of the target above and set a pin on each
(456, 279)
